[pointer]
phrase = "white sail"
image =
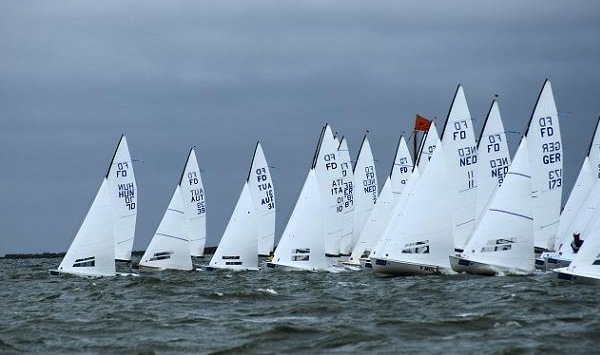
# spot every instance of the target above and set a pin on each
(238, 248)
(348, 204)
(328, 170)
(365, 188)
(170, 246)
(461, 166)
(123, 193)
(503, 239)
(301, 246)
(261, 188)
(399, 205)
(493, 157)
(585, 266)
(403, 164)
(427, 147)
(92, 252)
(375, 224)
(579, 209)
(393, 188)
(582, 202)
(194, 204)
(546, 155)
(420, 238)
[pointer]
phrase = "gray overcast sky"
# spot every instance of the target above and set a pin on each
(221, 75)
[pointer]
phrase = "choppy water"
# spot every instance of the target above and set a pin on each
(256, 312)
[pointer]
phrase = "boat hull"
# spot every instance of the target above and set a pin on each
(213, 268)
(270, 267)
(540, 263)
(54, 272)
(551, 261)
(366, 263)
(556, 263)
(400, 268)
(562, 274)
(462, 265)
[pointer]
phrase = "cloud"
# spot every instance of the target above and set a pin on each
(74, 75)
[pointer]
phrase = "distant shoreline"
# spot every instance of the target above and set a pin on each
(47, 255)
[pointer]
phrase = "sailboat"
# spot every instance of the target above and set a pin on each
(493, 157)
(585, 266)
(546, 158)
(328, 170)
(238, 248)
(442, 211)
(252, 223)
(402, 195)
(348, 204)
(579, 209)
(183, 220)
(307, 242)
(460, 151)
(262, 191)
(375, 224)
(301, 247)
(92, 252)
(502, 241)
(123, 190)
(194, 204)
(419, 238)
(170, 246)
(366, 190)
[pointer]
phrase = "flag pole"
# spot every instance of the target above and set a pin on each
(414, 144)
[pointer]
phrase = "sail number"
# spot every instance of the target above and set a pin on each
(546, 129)
(193, 178)
(494, 145)
(459, 130)
(197, 195)
(369, 183)
(122, 169)
(330, 163)
(554, 179)
(467, 155)
(265, 185)
(127, 193)
(551, 152)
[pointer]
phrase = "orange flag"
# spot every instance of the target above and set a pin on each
(421, 123)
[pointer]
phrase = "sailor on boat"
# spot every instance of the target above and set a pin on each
(576, 243)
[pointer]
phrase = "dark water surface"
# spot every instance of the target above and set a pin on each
(256, 312)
